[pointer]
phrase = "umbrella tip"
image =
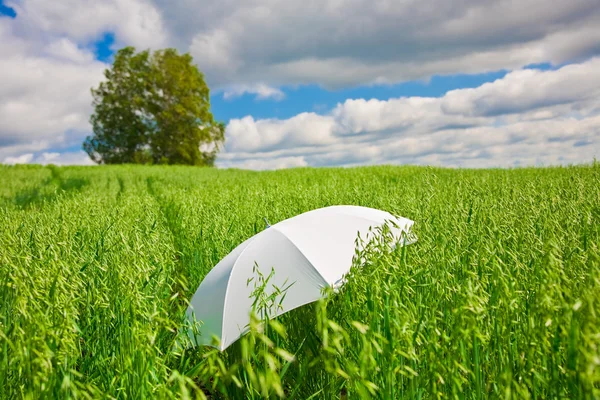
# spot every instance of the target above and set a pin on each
(267, 222)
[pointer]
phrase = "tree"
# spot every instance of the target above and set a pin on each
(153, 109)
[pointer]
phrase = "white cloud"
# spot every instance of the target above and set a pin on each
(261, 91)
(344, 43)
(66, 50)
(267, 164)
(45, 99)
(66, 158)
(135, 22)
(22, 159)
(16, 150)
(246, 134)
(48, 69)
(523, 90)
(526, 118)
(255, 46)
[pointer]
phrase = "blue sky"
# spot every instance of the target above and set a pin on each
(314, 98)
(336, 83)
(7, 11)
(300, 98)
(103, 48)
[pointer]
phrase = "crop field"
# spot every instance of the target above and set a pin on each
(498, 298)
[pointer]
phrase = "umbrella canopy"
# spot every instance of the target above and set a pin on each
(309, 251)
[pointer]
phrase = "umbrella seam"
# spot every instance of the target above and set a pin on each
(303, 255)
(229, 282)
(323, 281)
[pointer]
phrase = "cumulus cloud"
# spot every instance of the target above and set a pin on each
(44, 89)
(529, 117)
(256, 46)
(520, 91)
(261, 91)
(66, 158)
(66, 50)
(331, 42)
(135, 22)
(48, 69)
(267, 164)
(246, 134)
(22, 159)
(346, 43)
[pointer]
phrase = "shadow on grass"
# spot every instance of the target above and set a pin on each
(49, 190)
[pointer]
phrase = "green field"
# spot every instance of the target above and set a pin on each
(499, 298)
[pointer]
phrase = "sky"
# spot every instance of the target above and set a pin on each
(454, 83)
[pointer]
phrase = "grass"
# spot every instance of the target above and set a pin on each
(499, 298)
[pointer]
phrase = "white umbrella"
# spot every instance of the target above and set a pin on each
(310, 251)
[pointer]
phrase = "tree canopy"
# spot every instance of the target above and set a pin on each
(153, 108)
